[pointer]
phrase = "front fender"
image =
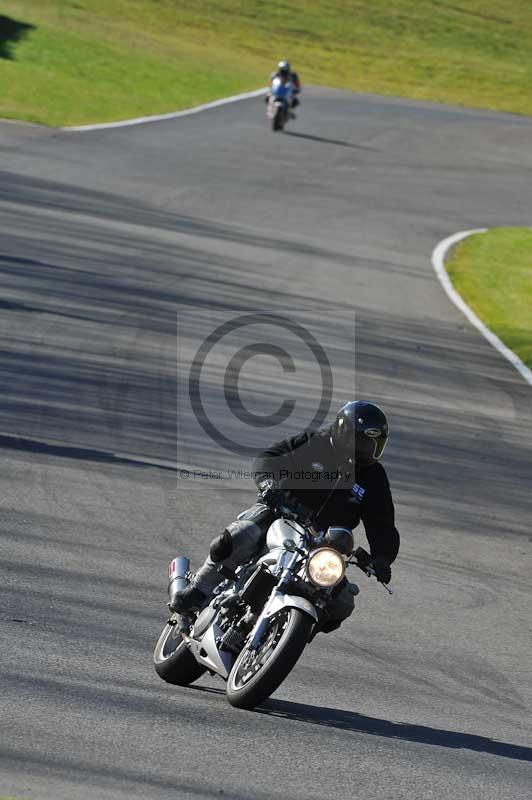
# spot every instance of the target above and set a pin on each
(279, 601)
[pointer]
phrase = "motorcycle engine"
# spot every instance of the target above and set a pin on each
(203, 620)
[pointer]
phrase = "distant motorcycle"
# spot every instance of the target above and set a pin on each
(260, 618)
(280, 103)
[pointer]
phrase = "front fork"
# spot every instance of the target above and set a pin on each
(278, 600)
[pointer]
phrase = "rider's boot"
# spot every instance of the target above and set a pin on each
(189, 598)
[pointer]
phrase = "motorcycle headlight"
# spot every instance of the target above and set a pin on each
(325, 568)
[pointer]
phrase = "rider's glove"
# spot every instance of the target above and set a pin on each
(271, 494)
(276, 499)
(382, 569)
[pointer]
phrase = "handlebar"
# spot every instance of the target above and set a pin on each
(363, 562)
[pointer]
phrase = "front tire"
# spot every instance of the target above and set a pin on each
(277, 120)
(257, 674)
(172, 659)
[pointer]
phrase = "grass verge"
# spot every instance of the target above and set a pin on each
(75, 61)
(493, 273)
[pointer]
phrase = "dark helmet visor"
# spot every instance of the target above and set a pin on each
(365, 449)
(362, 449)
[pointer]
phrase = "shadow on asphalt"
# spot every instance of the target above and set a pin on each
(89, 351)
(337, 142)
(207, 689)
(419, 734)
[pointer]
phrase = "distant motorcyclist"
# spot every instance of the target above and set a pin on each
(334, 474)
(285, 73)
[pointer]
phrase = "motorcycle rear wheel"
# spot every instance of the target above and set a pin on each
(256, 674)
(172, 659)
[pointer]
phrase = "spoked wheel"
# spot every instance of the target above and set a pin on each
(172, 659)
(256, 674)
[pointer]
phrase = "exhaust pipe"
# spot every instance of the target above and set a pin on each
(178, 571)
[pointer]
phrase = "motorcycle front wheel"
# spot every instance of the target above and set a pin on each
(278, 120)
(256, 674)
(172, 659)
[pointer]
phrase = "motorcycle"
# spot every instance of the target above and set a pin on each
(260, 618)
(279, 103)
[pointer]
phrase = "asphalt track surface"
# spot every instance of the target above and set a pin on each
(120, 252)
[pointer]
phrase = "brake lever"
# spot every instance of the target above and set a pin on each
(370, 572)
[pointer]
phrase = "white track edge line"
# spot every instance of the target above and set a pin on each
(170, 115)
(438, 262)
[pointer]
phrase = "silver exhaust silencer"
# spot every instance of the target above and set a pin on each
(178, 570)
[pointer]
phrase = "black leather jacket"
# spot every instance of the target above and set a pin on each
(306, 466)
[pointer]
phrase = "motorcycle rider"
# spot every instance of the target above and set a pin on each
(334, 475)
(285, 73)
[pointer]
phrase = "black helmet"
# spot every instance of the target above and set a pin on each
(283, 67)
(359, 433)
